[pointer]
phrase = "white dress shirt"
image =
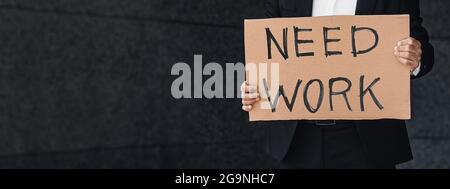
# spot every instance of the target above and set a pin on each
(339, 7)
(334, 7)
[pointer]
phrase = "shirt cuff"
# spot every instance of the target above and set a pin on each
(416, 71)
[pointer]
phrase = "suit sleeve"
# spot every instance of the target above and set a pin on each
(272, 9)
(418, 32)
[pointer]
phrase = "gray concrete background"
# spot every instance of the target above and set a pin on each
(83, 84)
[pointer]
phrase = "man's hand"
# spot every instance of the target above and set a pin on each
(409, 52)
(249, 96)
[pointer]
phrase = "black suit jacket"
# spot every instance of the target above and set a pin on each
(385, 142)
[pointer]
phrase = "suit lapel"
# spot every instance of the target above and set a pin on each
(304, 7)
(365, 7)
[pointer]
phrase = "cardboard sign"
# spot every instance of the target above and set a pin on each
(332, 67)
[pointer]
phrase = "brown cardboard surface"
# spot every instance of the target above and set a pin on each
(392, 90)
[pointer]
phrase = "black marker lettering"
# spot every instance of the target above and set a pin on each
(363, 92)
(289, 104)
(270, 38)
(305, 96)
(343, 92)
(298, 42)
(357, 52)
(326, 40)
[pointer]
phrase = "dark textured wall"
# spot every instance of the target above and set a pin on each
(83, 84)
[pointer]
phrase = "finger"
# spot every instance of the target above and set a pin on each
(408, 48)
(245, 83)
(248, 96)
(417, 53)
(410, 41)
(407, 62)
(250, 99)
(407, 55)
(250, 89)
(246, 88)
(250, 102)
(247, 108)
